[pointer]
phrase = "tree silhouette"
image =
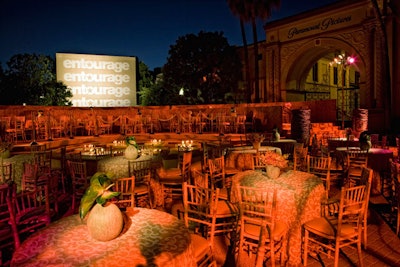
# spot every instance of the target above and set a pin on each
(204, 67)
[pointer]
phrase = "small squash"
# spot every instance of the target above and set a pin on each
(105, 222)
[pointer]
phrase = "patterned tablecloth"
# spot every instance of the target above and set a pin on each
(299, 200)
(241, 158)
(117, 166)
(150, 238)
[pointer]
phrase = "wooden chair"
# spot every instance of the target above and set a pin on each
(257, 163)
(6, 233)
(356, 160)
(29, 211)
(328, 235)
(321, 167)
(142, 171)
(172, 179)
(216, 168)
(30, 175)
(20, 128)
(9, 129)
(79, 181)
(366, 179)
(126, 187)
(199, 178)
(200, 204)
(260, 233)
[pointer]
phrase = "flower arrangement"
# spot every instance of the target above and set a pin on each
(131, 141)
(274, 159)
(255, 137)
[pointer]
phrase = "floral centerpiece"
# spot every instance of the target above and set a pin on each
(131, 151)
(274, 163)
(256, 139)
(274, 159)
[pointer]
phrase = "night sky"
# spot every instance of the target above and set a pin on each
(143, 28)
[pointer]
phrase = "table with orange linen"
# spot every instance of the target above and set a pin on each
(241, 158)
(299, 200)
(378, 161)
(150, 238)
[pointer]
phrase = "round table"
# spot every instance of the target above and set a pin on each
(299, 196)
(150, 238)
(378, 161)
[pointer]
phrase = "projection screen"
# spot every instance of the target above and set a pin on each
(98, 80)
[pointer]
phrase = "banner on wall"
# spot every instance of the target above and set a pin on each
(98, 80)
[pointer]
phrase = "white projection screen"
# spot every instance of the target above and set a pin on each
(98, 80)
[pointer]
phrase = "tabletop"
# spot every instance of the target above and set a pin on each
(299, 200)
(150, 238)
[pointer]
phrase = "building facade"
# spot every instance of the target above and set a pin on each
(297, 60)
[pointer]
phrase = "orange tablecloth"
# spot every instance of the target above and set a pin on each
(299, 200)
(150, 238)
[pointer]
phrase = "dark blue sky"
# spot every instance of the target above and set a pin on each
(141, 28)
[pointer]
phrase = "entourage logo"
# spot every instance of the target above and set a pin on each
(98, 81)
(322, 25)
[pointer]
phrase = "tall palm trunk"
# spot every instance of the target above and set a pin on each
(256, 69)
(246, 63)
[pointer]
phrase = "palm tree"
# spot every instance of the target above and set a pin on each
(237, 8)
(250, 11)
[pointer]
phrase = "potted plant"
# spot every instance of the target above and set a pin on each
(104, 219)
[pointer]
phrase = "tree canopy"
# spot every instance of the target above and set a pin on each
(31, 79)
(204, 67)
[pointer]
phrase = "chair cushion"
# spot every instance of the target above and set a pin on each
(253, 230)
(141, 189)
(200, 246)
(226, 208)
(327, 227)
(168, 173)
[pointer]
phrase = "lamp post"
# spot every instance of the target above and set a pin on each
(342, 61)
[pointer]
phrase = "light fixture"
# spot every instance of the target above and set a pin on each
(343, 61)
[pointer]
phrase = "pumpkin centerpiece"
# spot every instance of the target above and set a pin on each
(131, 151)
(105, 220)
